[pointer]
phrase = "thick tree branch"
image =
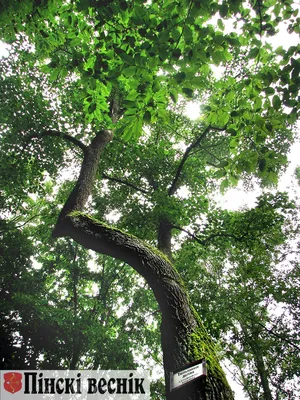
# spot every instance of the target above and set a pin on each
(160, 275)
(55, 133)
(179, 322)
(164, 237)
(123, 182)
(83, 188)
(181, 330)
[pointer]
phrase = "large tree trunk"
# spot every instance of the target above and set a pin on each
(184, 339)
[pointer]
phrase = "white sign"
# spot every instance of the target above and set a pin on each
(187, 375)
(74, 385)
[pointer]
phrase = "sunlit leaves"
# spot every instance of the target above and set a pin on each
(132, 128)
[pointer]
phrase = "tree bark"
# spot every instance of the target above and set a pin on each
(184, 338)
(263, 375)
(164, 237)
(83, 188)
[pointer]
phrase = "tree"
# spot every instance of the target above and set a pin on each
(109, 80)
(60, 313)
(246, 293)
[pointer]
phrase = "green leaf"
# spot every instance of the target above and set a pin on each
(218, 57)
(220, 174)
(223, 164)
(180, 77)
(292, 117)
(223, 118)
(259, 121)
(129, 71)
(75, 42)
(262, 164)
(92, 108)
(176, 34)
(188, 92)
(254, 52)
(137, 128)
(174, 96)
(133, 94)
(98, 114)
(147, 117)
(127, 58)
(220, 24)
(54, 74)
(164, 53)
(63, 72)
(269, 90)
(257, 103)
(188, 33)
(223, 10)
(45, 68)
(276, 102)
(176, 54)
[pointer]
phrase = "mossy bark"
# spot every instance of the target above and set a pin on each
(184, 338)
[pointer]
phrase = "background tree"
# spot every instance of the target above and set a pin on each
(245, 293)
(107, 81)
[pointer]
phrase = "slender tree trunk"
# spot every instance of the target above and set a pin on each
(263, 375)
(252, 335)
(164, 237)
(184, 339)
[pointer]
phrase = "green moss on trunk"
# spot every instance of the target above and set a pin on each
(201, 346)
(184, 337)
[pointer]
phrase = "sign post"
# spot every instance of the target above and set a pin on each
(187, 374)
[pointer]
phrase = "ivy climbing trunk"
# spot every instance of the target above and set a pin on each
(183, 337)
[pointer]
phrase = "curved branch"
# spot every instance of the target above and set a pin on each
(123, 182)
(148, 262)
(174, 185)
(180, 325)
(210, 237)
(188, 152)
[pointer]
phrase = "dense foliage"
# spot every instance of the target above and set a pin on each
(76, 68)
